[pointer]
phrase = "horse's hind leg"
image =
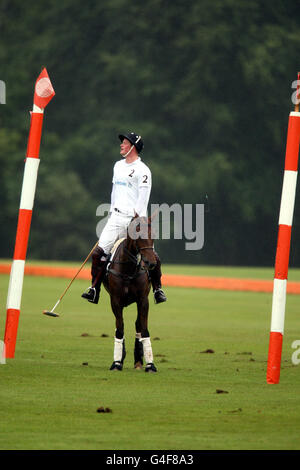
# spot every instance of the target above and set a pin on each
(119, 343)
(144, 340)
(148, 354)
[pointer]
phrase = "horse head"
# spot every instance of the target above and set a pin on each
(139, 231)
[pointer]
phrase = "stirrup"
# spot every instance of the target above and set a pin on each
(92, 295)
(159, 296)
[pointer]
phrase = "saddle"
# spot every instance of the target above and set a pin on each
(112, 253)
(114, 249)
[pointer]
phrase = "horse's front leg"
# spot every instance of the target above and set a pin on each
(119, 342)
(144, 339)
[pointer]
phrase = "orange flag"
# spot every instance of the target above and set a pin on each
(43, 91)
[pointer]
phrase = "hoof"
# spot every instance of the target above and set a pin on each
(116, 366)
(150, 368)
(138, 366)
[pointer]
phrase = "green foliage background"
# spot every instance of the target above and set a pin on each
(207, 85)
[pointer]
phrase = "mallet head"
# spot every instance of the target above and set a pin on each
(50, 314)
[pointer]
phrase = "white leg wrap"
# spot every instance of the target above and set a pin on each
(147, 350)
(118, 349)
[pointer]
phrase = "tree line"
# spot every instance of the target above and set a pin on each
(206, 84)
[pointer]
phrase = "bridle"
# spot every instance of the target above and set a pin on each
(132, 259)
(146, 248)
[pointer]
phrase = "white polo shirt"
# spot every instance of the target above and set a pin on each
(131, 187)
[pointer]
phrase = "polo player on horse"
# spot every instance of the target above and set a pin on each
(129, 198)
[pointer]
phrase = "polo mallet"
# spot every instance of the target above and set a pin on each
(51, 313)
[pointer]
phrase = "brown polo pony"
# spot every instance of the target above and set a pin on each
(128, 281)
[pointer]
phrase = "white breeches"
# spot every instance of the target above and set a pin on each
(114, 229)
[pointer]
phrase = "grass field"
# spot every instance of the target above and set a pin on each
(49, 398)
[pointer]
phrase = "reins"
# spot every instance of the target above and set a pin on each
(133, 259)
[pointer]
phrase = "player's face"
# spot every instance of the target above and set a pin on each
(125, 147)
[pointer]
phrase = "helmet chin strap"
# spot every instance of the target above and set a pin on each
(124, 156)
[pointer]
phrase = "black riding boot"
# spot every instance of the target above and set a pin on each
(155, 274)
(99, 260)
